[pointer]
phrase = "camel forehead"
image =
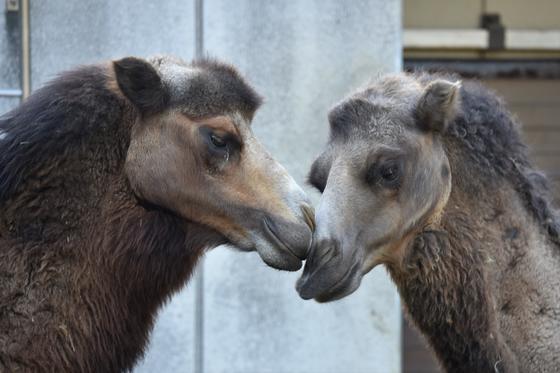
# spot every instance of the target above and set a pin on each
(385, 124)
(383, 110)
(206, 87)
(359, 118)
(176, 74)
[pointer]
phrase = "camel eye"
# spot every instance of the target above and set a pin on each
(221, 147)
(386, 174)
(390, 173)
(217, 141)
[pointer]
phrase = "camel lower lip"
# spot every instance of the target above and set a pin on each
(341, 289)
(277, 241)
(276, 254)
(335, 290)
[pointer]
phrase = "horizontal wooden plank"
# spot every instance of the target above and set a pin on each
(543, 151)
(476, 38)
(532, 39)
(537, 116)
(446, 39)
(541, 127)
(542, 141)
(550, 164)
(536, 139)
(534, 106)
(526, 90)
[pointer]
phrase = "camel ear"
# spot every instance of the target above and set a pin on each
(438, 105)
(141, 84)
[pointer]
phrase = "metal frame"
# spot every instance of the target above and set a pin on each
(480, 39)
(25, 90)
(25, 51)
(515, 68)
(11, 93)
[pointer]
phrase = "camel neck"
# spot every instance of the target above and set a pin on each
(448, 291)
(138, 261)
(96, 263)
(444, 293)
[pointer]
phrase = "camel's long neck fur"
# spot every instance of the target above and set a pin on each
(446, 290)
(83, 265)
(466, 284)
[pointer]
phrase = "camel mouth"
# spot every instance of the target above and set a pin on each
(276, 240)
(309, 216)
(345, 285)
(294, 238)
(276, 252)
(349, 284)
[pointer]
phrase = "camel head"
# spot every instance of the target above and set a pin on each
(384, 176)
(192, 152)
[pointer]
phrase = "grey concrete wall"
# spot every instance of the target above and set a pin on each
(67, 33)
(303, 56)
(10, 61)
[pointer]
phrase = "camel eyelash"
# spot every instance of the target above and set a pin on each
(386, 173)
(220, 142)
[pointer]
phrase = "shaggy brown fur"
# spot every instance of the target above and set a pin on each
(84, 263)
(483, 284)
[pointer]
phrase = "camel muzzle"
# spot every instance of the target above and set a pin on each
(288, 242)
(327, 274)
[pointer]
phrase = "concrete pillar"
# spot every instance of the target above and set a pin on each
(10, 52)
(67, 33)
(304, 56)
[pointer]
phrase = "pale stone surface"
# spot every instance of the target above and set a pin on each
(8, 103)
(304, 56)
(10, 52)
(67, 33)
(172, 343)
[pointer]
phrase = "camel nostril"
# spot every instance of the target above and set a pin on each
(317, 260)
(321, 268)
(309, 216)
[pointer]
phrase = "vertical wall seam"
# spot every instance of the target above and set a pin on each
(25, 51)
(199, 28)
(199, 289)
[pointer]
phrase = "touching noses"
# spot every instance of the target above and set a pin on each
(326, 264)
(295, 237)
(308, 215)
(297, 233)
(324, 257)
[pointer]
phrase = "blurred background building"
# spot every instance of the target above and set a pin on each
(237, 315)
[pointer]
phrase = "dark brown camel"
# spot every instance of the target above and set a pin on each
(432, 180)
(114, 179)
